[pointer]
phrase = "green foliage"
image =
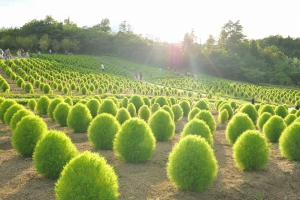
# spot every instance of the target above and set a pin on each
(5, 87)
(137, 102)
(69, 101)
(250, 151)
(162, 125)
(93, 105)
(185, 107)
(281, 111)
(289, 119)
(52, 107)
(162, 100)
(122, 115)
(124, 102)
(61, 112)
(46, 89)
(102, 131)
(250, 111)
(208, 118)
(28, 132)
(144, 112)
(198, 127)
(131, 109)
(202, 105)
(223, 116)
(5, 105)
(188, 173)
(177, 111)
(108, 106)
(135, 141)
(193, 113)
(169, 110)
(262, 119)
(42, 105)
(147, 101)
(239, 123)
(289, 142)
(273, 128)
(79, 118)
(31, 104)
(266, 108)
(10, 112)
(17, 117)
(87, 176)
(155, 107)
(226, 106)
(52, 153)
(28, 87)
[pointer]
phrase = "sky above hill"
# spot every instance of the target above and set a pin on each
(168, 20)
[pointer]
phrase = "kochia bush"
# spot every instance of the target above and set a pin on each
(17, 117)
(169, 110)
(186, 108)
(10, 112)
(79, 118)
(290, 118)
(155, 107)
(93, 105)
(193, 113)
(289, 142)
(5, 105)
(281, 111)
(137, 102)
(208, 118)
(131, 109)
(178, 112)
(266, 108)
(250, 111)
(223, 116)
(144, 112)
(61, 112)
(42, 105)
(273, 128)
(122, 115)
(31, 104)
(262, 119)
(226, 106)
(108, 106)
(52, 107)
(202, 105)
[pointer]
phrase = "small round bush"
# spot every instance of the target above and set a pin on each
(131, 109)
(177, 111)
(122, 115)
(93, 105)
(281, 111)
(250, 111)
(137, 102)
(198, 127)
(5, 105)
(162, 100)
(52, 153)
(108, 106)
(87, 176)
(124, 102)
(52, 107)
(169, 110)
(69, 101)
(223, 116)
(250, 151)
(162, 125)
(135, 141)
(289, 119)
(208, 118)
(193, 113)
(28, 87)
(273, 128)
(202, 105)
(28, 132)
(17, 117)
(102, 131)
(188, 173)
(155, 107)
(5, 86)
(79, 118)
(10, 112)
(233, 105)
(42, 105)
(147, 101)
(266, 108)
(46, 88)
(61, 112)
(31, 104)
(144, 112)
(227, 107)
(185, 107)
(289, 142)
(262, 119)
(239, 123)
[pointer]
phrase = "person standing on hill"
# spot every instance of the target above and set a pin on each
(102, 67)
(141, 74)
(7, 54)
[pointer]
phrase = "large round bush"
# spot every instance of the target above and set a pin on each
(281, 111)
(135, 141)
(192, 165)
(52, 153)
(162, 125)
(289, 142)
(61, 112)
(262, 119)
(144, 112)
(250, 111)
(108, 106)
(28, 132)
(177, 111)
(52, 107)
(10, 112)
(239, 123)
(79, 118)
(186, 108)
(42, 105)
(122, 115)
(87, 176)
(250, 151)
(5, 105)
(198, 127)
(208, 118)
(93, 105)
(137, 102)
(273, 128)
(102, 131)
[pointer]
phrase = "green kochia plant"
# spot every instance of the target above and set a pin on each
(144, 112)
(250, 111)
(108, 106)
(42, 105)
(206, 116)
(52, 107)
(17, 117)
(137, 102)
(192, 165)
(122, 115)
(273, 128)
(262, 119)
(289, 142)
(10, 112)
(193, 113)
(185, 107)
(87, 176)
(178, 112)
(61, 112)
(31, 104)
(5, 105)
(93, 105)
(223, 116)
(79, 118)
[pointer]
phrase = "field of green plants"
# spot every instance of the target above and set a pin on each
(130, 117)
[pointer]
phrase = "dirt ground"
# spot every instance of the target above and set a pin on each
(279, 180)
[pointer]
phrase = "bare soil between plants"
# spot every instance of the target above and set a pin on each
(148, 180)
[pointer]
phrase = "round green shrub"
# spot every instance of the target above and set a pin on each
(273, 128)
(28, 132)
(61, 112)
(122, 115)
(83, 90)
(46, 89)
(17, 117)
(28, 87)
(135, 141)
(69, 101)
(5, 86)
(5, 105)
(266, 108)
(233, 105)
(162, 125)
(155, 107)
(137, 102)
(208, 118)
(144, 112)
(250, 151)
(250, 111)
(124, 102)
(262, 119)
(31, 104)
(162, 100)
(102, 131)
(131, 109)
(169, 110)
(42, 105)
(289, 119)
(108, 106)
(227, 107)
(223, 116)
(52, 153)
(198, 127)
(10, 112)
(79, 118)
(185, 107)
(239, 123)
(177, 111)
(202, 105)
(281, 111)
(52, 107)
(93, 105)
(147, 101)
(193, 113)
(87, 176)
(289, 142)
(188, 173)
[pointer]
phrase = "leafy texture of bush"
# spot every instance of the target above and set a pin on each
(289, 142)
(161, 101)
(273, 128)
(162, 125)
(178, 112)
(186, 108)
(193, 113)
(69, 101)
(192, 165)
(155, 107)
(137, 102)
(239, 123)
(250, 151)
(290, 118)
(144, 112)
(208, 118)
(281, 111)
(262, 119)
(28, 132)
(42, 105)
(108, 106)
(52, 153)
(169, 110)
(122, 115)
(102, 131)
(5, 105)
(52, 107)
(87, 176)
(17, 117)
(79, 118)
(227, 107)
(135, 141)
(10, 112)
(124, 102)
(31, 104)
(223, 116)
(93, 105)
(131, 109)
(266, 108)
(250, 111)
(61, 112)
(198, 127)
(202, 105)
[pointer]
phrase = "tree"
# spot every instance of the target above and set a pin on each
(69, 45)
(56, 45)
(103, 26)
(210, 44)
(44, 42)
(125, 27)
